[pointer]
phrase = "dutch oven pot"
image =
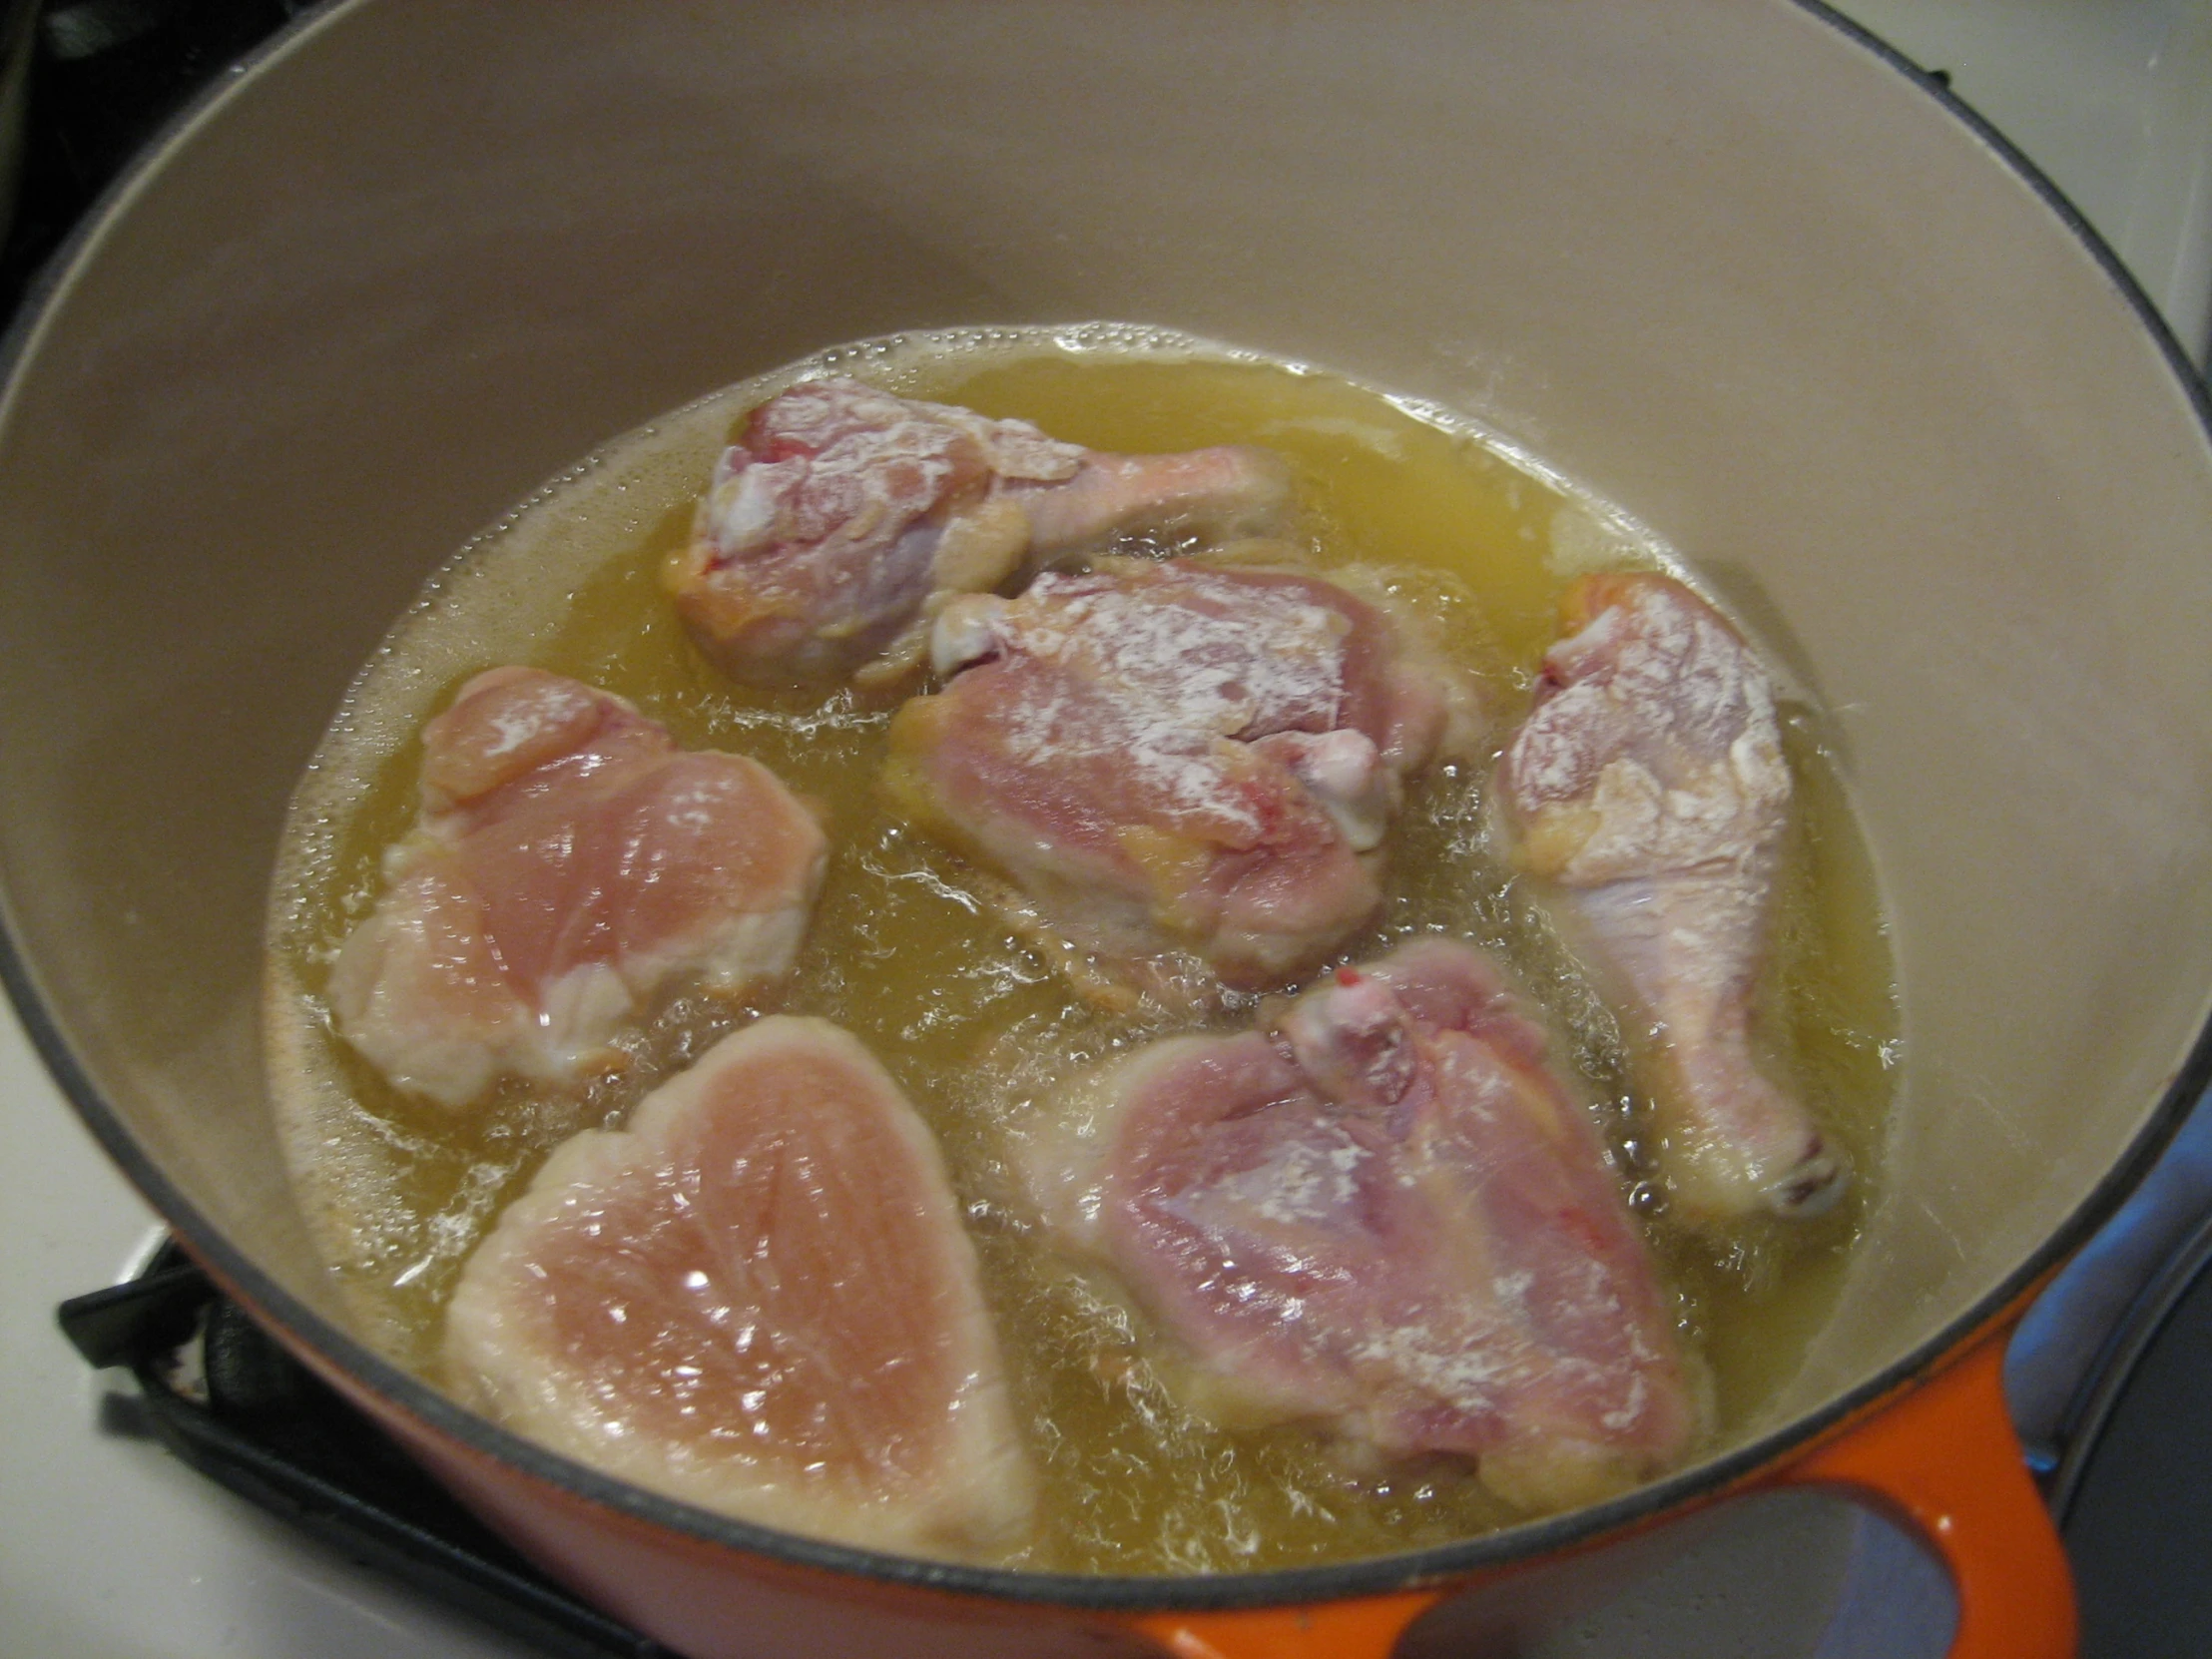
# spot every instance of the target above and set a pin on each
(1720, 259)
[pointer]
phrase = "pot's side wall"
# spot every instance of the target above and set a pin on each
(1709, 257)
(709, 1602)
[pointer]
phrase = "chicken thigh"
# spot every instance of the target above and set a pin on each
(1648, 793)
(569, 864)
(756, 1298)
(1175, 762)
(843, 515)
(1387, 1218)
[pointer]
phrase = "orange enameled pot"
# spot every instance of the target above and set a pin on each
(1722, 262)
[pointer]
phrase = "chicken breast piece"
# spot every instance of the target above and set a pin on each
(570, 865)
(843, 515)
(756, 1298)
(1385, 1217)
(1172, 761)
(1648, 793)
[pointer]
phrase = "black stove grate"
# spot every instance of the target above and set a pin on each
(103, 75)
(222, 1395)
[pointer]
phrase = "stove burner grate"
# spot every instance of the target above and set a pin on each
(221, 1394)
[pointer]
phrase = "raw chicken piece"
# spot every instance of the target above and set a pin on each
(1649, 789)
(758, 1298)
(1175, 761)
(1387, 1218)
(844, 516)
(570, 864)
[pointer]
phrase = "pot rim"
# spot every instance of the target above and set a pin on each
(1099, 1592)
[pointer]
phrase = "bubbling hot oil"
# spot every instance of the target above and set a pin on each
(972, 1024)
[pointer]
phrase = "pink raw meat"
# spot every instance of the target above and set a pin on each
(1387, 1218)
(570, 864)
(1648, 793)
(758, 1298)
(844, 516)
(1172, 760)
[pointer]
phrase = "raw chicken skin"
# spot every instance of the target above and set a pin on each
(569, 865)
(1649, 790)
(756, 1298)
(1175, 761)
(844, 516)
(1385, 1217)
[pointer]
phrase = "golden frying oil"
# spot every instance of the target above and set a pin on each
(974, 1027)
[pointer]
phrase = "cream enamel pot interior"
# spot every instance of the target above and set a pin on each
(1719, 260)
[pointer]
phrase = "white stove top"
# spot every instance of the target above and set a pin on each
(109, 1547)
